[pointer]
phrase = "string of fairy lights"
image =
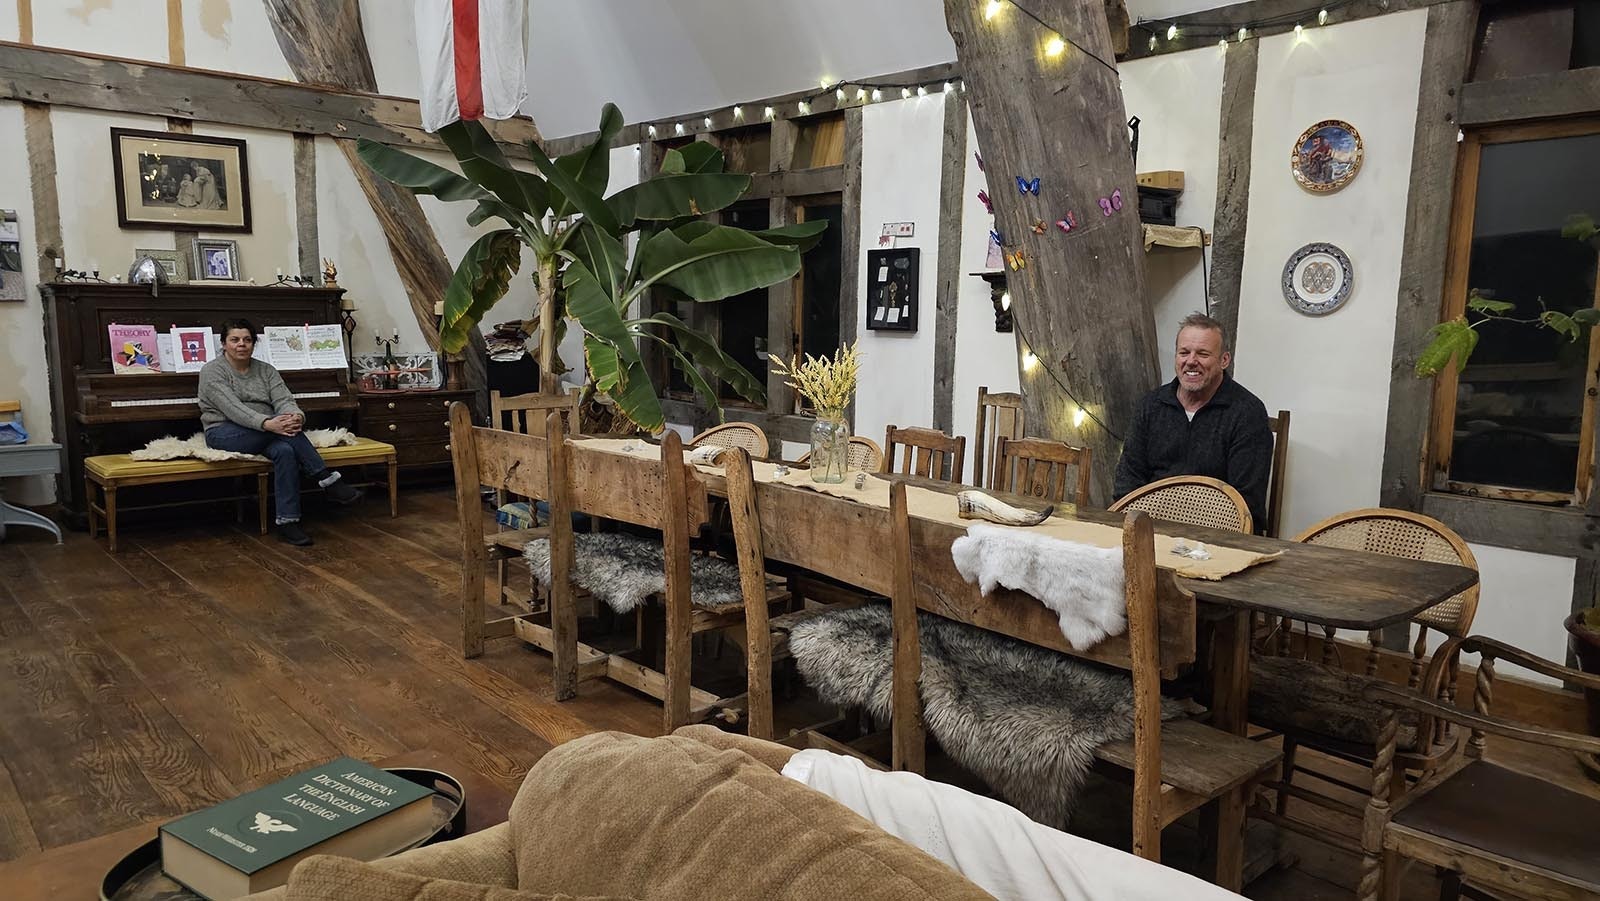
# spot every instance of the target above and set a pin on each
(1185, 35)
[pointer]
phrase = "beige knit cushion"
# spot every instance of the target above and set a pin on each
(673, 818)
(482, 858)
(328, 878)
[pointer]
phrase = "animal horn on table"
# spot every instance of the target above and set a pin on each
(977, 505)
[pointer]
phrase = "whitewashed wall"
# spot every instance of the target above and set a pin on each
(901, 157)
(231, 36)
(23, 373)
(136, 29)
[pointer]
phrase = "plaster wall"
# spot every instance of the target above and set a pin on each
(135, 29)
(233, 36)
(23, 375)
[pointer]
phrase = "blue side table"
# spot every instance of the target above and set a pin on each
(27, 460)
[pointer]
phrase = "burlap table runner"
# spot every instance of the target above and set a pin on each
(925, 504)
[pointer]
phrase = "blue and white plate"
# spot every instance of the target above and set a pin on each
(1317, 279)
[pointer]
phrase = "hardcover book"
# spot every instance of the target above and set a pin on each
(134, 348)
(250, 844)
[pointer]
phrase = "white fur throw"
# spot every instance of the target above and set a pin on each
(1080, 582)
(194, 447)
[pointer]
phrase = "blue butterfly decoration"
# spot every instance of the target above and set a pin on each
(996, 237)
(1028, 187)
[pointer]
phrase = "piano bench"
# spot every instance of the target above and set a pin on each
(109, 472)
(367, 451)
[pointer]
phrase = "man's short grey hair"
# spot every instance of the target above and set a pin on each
(1201, 320)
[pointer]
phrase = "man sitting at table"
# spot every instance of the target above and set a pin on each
(1201, 423)
(246, 407)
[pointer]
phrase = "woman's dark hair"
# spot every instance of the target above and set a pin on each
(238, 323)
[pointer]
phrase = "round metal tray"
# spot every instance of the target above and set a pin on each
(138, 876)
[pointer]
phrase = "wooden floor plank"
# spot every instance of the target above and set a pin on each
(16, 826)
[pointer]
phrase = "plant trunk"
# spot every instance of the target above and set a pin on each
(549, 382)
(1078, 302)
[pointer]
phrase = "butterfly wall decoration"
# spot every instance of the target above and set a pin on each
(1015, 259)
(1069, 223)
(1112, 204)
(1039, 225)
(979, 157)
(1028, 187)
(987, 203)
(996, 237)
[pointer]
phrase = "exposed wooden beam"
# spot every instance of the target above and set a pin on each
(176, 54)
(1233, 183)
(1079, 300)
(1446, 53)
(1202, 29)
(850, 244)
(327, 43)
(93, 81)
(1585, 592)
(796, 182)
(39, 137)
(25, 21)
(1561, 531)
(952, 191)
(309, 255)
(1570, 93)
(781, 296)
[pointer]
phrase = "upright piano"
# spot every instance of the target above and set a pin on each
(98, 412)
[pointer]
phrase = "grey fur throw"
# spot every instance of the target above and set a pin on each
(1024, 718)
(625, 570)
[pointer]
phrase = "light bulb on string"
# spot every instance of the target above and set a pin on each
(1243, 33)
(861, 95)
(1223, 43)
(1172, 32)
(652, 131)
(678, 127)
(1322, 17)
(767, 113)
(1055, 46)
(948, 87)
(1079, 414)
(838, 94)
(922, 90)
(1005, 301)
(1152, 42)
(708, 121)
(992, 9)
(738, 112)
(877, 94)
(1029, 360)
(1299, 29)
(905, 93)
(824, 82)
(804, 107)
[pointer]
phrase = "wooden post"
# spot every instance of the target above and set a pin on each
(908, 741)
(675, 556)
(1078, 301)
(753, 581)
(469, 516)
(563, 609)
(1139, 581)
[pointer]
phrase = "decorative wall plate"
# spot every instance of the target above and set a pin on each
(1326, 156)
(1317, 279)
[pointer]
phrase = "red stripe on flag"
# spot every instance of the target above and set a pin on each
(469, 64)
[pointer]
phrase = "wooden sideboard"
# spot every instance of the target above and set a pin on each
(417, 423)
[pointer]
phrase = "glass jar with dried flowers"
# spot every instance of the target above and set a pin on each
(829, 384)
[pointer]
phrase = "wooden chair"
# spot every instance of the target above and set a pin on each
(1499, 828)
(999, 417)
(928, 452)
(1038, 467)
(1176, 767)
(524, 414)
(1280, 459)
(862, 454)
(734, 434)
(1320, 705)
(1196, 500)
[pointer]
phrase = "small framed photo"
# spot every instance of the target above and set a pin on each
(167, 179)
(173, 262)
(216, 259)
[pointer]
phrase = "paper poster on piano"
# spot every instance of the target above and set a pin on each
(286, 347)
(194, 347)
(134, 348)
(325, 344)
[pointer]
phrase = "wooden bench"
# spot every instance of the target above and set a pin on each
(110, 472)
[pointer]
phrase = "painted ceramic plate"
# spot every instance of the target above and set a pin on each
(1326, 156)
(1317, 279)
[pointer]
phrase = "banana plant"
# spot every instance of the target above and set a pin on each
(584, 271)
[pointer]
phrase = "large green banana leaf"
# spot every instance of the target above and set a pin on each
(626, 383)
(484, 162)
(479, 283)
(595, 310)
(705, 352)
(671, 196)
(589, 167)
(602, 254)
(573, 193)
(718, 262)
(707, 392)
(422, 177)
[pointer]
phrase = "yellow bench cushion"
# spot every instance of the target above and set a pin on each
(123, 466)
(365, 450)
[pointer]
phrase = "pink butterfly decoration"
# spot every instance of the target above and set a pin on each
(987, 203)
(1112, 204)
(979, 157)
(1069, 223)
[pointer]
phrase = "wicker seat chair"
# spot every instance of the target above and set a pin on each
(862, 455)
(1319, 703)
(1038, 467)
(734, 434)
(1196, 500)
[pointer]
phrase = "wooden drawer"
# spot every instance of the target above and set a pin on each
(432, 404)
(434, 427)
(423, 453)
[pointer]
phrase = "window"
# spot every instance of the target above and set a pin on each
(817, 312)
(744, 317)
(1518, 422)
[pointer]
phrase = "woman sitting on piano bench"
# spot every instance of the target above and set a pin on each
(246, 407)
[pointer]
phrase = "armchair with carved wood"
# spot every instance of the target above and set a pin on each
(1482, 823)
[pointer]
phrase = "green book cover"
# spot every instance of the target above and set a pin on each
(259, 829)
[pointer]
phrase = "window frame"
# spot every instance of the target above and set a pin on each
(1458, 263)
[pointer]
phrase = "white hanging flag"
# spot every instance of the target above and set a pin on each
(472, 59)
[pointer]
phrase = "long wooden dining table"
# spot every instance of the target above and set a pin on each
(849, 541)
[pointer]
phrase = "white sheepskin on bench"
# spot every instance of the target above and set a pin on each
(194, 447)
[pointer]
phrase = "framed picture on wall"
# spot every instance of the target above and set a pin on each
(892, 289)
(169, 179)
(216, 260)
(10, 256)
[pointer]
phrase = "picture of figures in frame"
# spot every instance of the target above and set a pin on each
(167, 179)
(1326, 156)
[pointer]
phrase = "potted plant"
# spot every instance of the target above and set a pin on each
(586, 271)
(828, 384)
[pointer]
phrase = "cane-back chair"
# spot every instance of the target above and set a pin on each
(862, 455)
(1195, 500)
(1319, 703)
(928, 452)
(1500, 829)
(999, 417)
(734, 434)
(1039, 468)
